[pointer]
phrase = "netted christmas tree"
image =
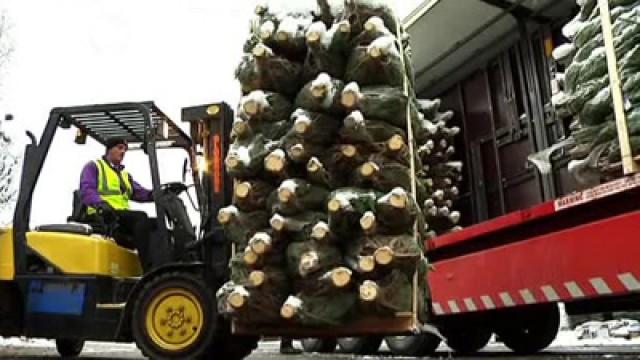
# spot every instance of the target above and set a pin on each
(340, 172)
(584, 92)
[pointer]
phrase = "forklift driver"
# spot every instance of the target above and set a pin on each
(105, 189)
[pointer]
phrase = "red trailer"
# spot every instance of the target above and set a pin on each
(506, 275)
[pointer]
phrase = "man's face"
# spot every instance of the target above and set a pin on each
(116, 153)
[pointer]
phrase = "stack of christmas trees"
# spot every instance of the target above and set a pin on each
(339, 172)
(584, 88)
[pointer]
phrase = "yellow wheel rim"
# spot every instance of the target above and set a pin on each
(174, 319)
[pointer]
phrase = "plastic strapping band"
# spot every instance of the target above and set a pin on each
(414, 311)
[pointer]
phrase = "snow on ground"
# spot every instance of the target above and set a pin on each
(569, 339)
(22, 342)
(565, 340)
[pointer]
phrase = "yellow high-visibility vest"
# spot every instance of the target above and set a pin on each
(110, 189)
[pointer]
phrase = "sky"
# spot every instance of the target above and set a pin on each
(78, 52)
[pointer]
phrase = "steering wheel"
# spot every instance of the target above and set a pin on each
(175, 188)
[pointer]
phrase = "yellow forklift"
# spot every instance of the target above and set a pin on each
(71, 282)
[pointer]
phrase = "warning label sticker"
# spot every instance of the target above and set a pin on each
(598, 192)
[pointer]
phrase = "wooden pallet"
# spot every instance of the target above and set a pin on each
(401, 324)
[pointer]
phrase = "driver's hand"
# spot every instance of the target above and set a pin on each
(106, 211)
(174, 187)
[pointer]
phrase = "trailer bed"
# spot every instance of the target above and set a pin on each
(578, 247)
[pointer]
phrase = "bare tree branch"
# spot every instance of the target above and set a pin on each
(6, 48)
(8, 161)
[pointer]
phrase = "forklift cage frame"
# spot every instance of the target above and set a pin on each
(137, 122)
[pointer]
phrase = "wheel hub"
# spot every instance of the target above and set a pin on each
(174, 319)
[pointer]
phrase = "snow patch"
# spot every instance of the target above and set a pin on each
(560, 99)
(344, 200)
(298, 113)
(334, 29)
(294, 302)
(374, 4)
(231, 209)
(267, 29)
(263, 48)
(320, 30)
(324, 81)
(242, 153)
(430, 127)
(563, 51)
(261, 236)
(397, 191)
(376, 22)
(353, 88)
(356, 118)
(572, 27)
(321, 226)
(288, 185)
(239, 289)
(302, 119)
(317, 27)
(258, 97)
(386, 44)
(289, 26)
(282, 8)
(279, 153)
(377, 25)
(26, 342)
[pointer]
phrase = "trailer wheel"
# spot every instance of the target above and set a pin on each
(69, 347)
(360, 345)
(174, 317)
(466, 340)
(415, 345)
(317, 345)
(529, 331)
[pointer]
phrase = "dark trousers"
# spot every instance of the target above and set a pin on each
(136, 231)
(133, 233)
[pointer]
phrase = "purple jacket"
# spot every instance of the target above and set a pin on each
(89, 186)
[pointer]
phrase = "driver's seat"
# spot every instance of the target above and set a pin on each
(76, 223)
(79, 209)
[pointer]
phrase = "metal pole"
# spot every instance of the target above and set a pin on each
(629, 165)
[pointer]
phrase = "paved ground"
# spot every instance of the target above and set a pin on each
(269, 351)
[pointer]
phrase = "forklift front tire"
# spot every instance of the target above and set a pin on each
(68, 348)
(174, 317)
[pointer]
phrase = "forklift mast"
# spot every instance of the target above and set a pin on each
(210, 130)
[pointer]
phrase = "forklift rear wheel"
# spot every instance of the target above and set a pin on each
(414, 345)
(360, 345)
(11, 305)
(69, 347)
(529, 331)
(466, 340)
(174, 317)
(318, 345)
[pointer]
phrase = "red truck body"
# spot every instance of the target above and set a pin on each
(578, 248)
